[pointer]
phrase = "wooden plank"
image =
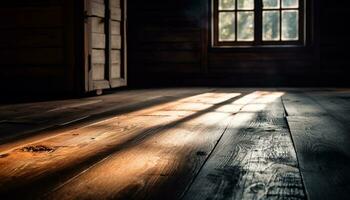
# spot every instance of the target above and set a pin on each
(25, 3)
(98, 41)
(115, 28)
(100, 84)
(255, 158)
(115, 3)
(98, 72)
(65, 142)
(98, 45)
(297, 105)
(32, 38)
(150, 68)
(115, 70)
(32, 56)
(335, 102)
(150, 166)
(116, 14)
(116, 41)
(122, 131)
(120, 102)
(323, 148)
(115, 57)
(168, 56)
(118, 82)
(178, 46)
(98, 1)
(97, 9)
(97, 25)
(163, 36)
(40, 17)
(98, 56)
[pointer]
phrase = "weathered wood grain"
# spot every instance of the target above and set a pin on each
(255, 159)
(97, 25)
(98, 41)
(336, 102)
(53, 113)
(323, 146)
(116, 14)
(116, 42)
(97, 9)
(115, 3)
(115, 28)
(149, 168)
(177, 143)
(296, 105)
(53, 164)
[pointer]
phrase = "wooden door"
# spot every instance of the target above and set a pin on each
(105, 44)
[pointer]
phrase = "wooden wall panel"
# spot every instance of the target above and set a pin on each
(164, 38)
(62, 35)
(170, 41)
(35, 42)
(40, 38)
(334, 38)
(31, 17)
(32, 56)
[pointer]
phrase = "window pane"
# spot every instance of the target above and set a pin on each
(271, 3)
(290, 3)
(245, 26)
(227, 26)
(290, 27)
(227, 4)
(245, 4)
(271, 25)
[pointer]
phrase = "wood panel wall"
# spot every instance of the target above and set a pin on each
(164, 38)
(104, 29)
(37, 46)
(169, 43)
(335, 38)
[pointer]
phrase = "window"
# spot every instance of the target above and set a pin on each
(258, 22)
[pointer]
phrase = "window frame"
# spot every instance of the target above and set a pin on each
(258, 27)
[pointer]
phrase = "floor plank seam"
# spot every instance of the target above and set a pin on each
(286, 114)
(294, 146)
(76, 176)
(93, 118)
(205, 161)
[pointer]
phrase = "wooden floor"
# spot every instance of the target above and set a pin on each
(179, 143)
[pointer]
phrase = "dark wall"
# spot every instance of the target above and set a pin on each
(169, 44)
(164, 38)
(334, 37)
(37, 47)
